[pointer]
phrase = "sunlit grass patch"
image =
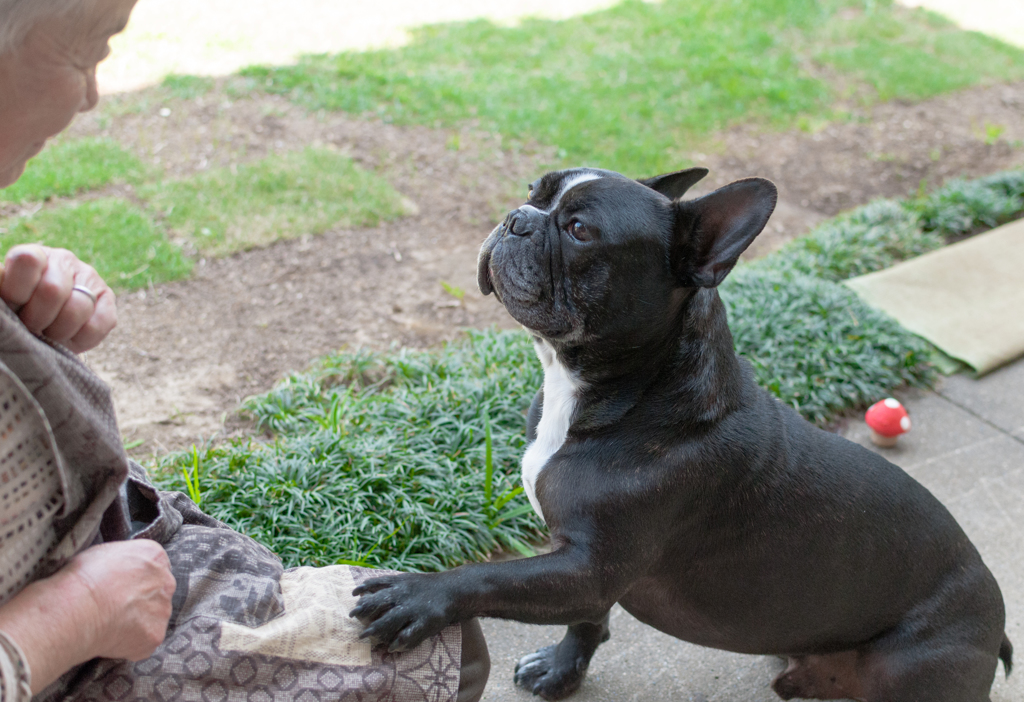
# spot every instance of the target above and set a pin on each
(915, 54)
(625, 88)
(279, 197)
(381, 459)
(67, 168)
(187, 87)
(117, 238)
(636, 87)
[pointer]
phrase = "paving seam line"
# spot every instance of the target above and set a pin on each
(980, 418)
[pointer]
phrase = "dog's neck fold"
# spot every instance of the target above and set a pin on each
(689, 367)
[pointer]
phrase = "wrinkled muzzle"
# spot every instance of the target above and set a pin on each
(523, 222)
(517, 263)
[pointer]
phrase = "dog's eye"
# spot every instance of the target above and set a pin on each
(579, 232)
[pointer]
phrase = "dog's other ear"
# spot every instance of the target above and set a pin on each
(674, 185)
(712, 231)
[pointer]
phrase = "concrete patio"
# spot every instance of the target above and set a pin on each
(967, 447)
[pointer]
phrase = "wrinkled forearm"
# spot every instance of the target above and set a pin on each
(50, 621)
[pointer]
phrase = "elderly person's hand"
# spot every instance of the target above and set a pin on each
(130, 587)
(58, 296)
(110, 601)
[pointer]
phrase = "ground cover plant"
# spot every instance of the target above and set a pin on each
(813, 343)
(961, 206)
(885, 232)
(385, 459)
(152, 233)
(381, 459)
(635, 88)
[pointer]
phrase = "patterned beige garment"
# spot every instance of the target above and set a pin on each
(30, 490)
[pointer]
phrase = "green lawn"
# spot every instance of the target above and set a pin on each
(67, 168)
(279, 197)
(635, 88)
(119, 239)
(914, 55)
(129, 238)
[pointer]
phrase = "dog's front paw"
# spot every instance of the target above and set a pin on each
(550, 675)
(401, 611)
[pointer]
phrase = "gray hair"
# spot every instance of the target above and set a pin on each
(18, 16)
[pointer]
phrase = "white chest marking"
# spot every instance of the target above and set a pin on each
(561, 393)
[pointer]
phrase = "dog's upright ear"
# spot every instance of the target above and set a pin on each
(674, 185)
(712, 231)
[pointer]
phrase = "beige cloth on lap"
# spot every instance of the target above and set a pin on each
(967, 299)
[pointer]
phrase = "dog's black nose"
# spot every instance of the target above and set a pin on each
(520, 223)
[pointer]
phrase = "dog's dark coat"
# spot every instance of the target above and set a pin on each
(685, 492)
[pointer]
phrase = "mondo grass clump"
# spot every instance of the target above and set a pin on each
(864, 240)
(406, 460)
(816, 346)
(885, 232)
(961, 207)
(812, 341)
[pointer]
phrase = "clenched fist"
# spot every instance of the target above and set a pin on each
(58, 296)
(131, 586)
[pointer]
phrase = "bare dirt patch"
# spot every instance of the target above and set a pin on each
(186, 353)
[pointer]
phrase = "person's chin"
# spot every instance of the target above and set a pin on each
(10, 174)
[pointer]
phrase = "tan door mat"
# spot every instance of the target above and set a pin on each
(967, 299)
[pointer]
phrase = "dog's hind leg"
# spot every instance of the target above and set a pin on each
(555, 672)
(940, 674)
(932, 660)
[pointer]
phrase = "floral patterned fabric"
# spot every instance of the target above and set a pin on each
(245, 629)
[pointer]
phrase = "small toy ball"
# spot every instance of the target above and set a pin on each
(887, 419)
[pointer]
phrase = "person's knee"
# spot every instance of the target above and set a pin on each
(476, 663)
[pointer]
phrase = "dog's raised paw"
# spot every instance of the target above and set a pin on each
(548, 675)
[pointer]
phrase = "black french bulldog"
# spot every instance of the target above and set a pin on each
(675, 486)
